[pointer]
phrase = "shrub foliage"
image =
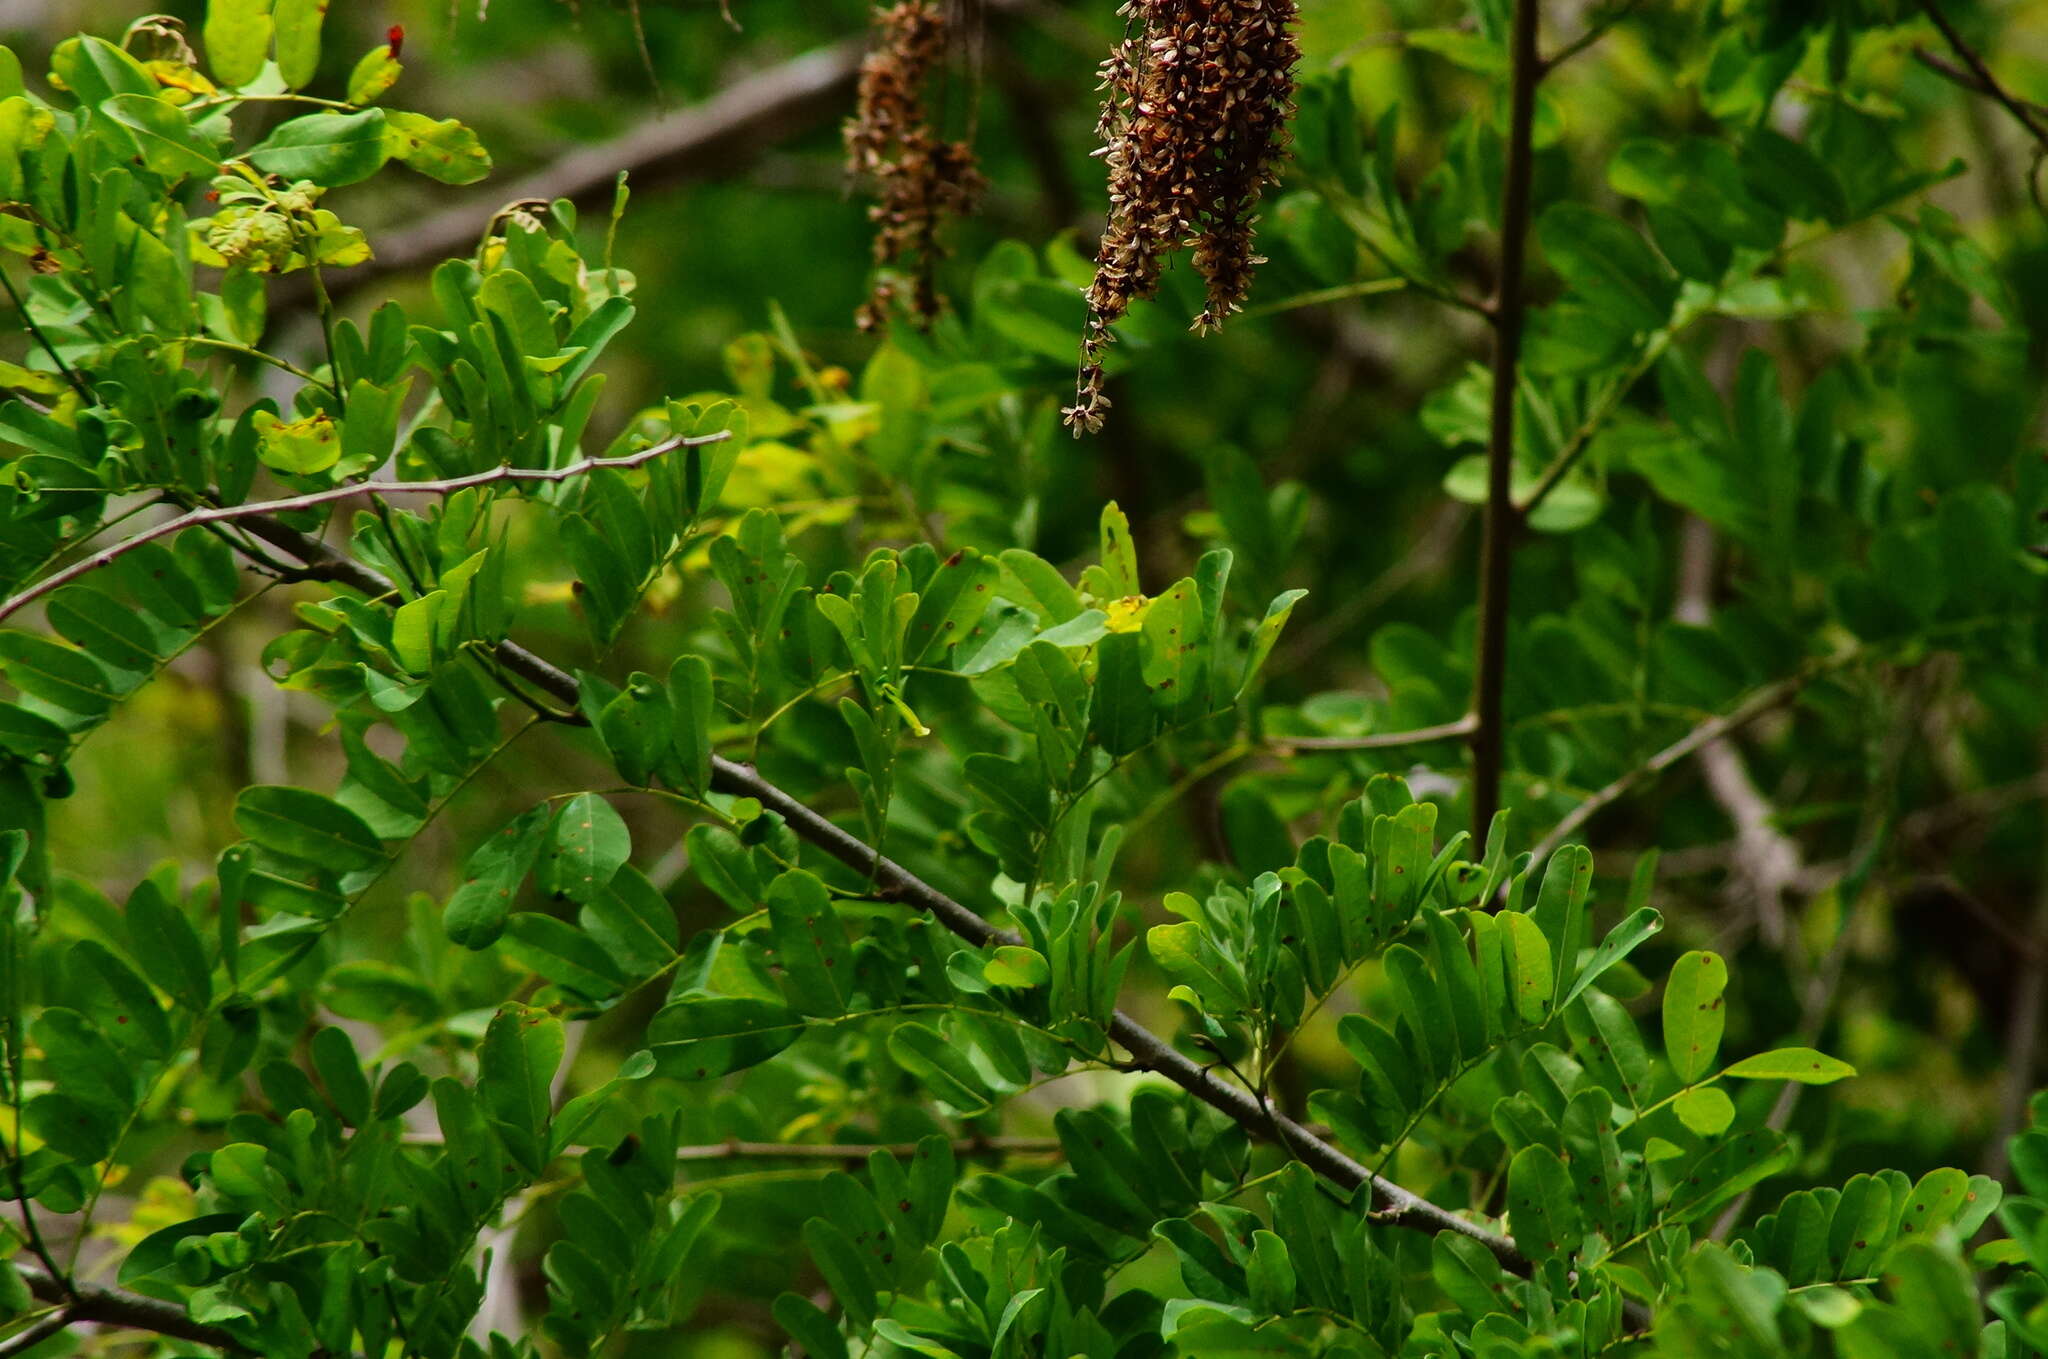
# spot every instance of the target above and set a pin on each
(884, 838)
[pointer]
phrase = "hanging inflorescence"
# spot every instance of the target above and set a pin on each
(1193, 124)
(919, 177)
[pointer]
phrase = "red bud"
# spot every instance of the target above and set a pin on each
(395, 37)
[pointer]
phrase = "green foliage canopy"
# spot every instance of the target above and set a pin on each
(849, 835)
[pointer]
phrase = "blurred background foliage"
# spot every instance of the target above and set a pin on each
(1903, 357)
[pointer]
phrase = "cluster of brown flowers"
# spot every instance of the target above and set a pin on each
(1193, 125)
(920, 178)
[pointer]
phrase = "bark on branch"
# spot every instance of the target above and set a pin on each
(1390, 1202)
(729, 129)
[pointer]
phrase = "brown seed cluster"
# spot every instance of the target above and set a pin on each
(920, 178)
(1194, 121)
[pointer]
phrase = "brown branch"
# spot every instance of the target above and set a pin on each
(1391, 1202)
(1983, 81)
(221, 514)
(1764, 700)
(729, 129)
(1955, 74)
(1496, 548)
(26, 1339)
(118, 1307)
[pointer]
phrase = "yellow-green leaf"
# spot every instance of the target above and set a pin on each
(1803, 1065)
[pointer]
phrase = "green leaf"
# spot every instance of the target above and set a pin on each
(80, 1129)
(1608, 265)
(57, 674)
(1189, 957)
(439, 148)
(1803, 1065)
(1693, 1017)
(637, 728)
(1619, 943)
(167, 946)
(375, 73)
(341, 1072)
(1543, 1209)
(634, 923)
(109, 992)
(1707, 1111)
(941, 1067)
(1561, 907)
(1119, 556)
(298, 447)
(475, 914)
(845, 1269)
(1122, 718)
(690, 710)
(516, 1067)
(301, 824)
(697, 1037)
(170, 147)
(413, 628)
(588, 844)
(330, 149)
(810, 945)
(563, 954)
(1270, 1275)
(111, 632)
(298, 39)
(84, 1061)
(807, 1324)
(1013, 965)
(1531, 977)
(1266, 636)
(1725, 1170)
(237, 38)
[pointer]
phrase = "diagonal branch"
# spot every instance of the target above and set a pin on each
(1391, 1203)
(727, 129)
(1983, 81)
(1767, 699)
(221, 514)
(1378, 740)
(119, 1307)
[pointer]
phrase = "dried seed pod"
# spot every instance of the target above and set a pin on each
(1194, 116)
(919, 178)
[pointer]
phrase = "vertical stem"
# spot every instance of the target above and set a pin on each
(1497, 533)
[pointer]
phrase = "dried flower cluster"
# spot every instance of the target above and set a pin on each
(920, 178)
(1193, 125)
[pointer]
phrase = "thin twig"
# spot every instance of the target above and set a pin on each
(263, 509)
(1391, 1202)
(1340, 293)
(732, 126)
(1379, 740)
(21, 1342)
(1596, 418)
(1770, 697)
(1496, 548)
(1600, 27)
(1987, 84)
